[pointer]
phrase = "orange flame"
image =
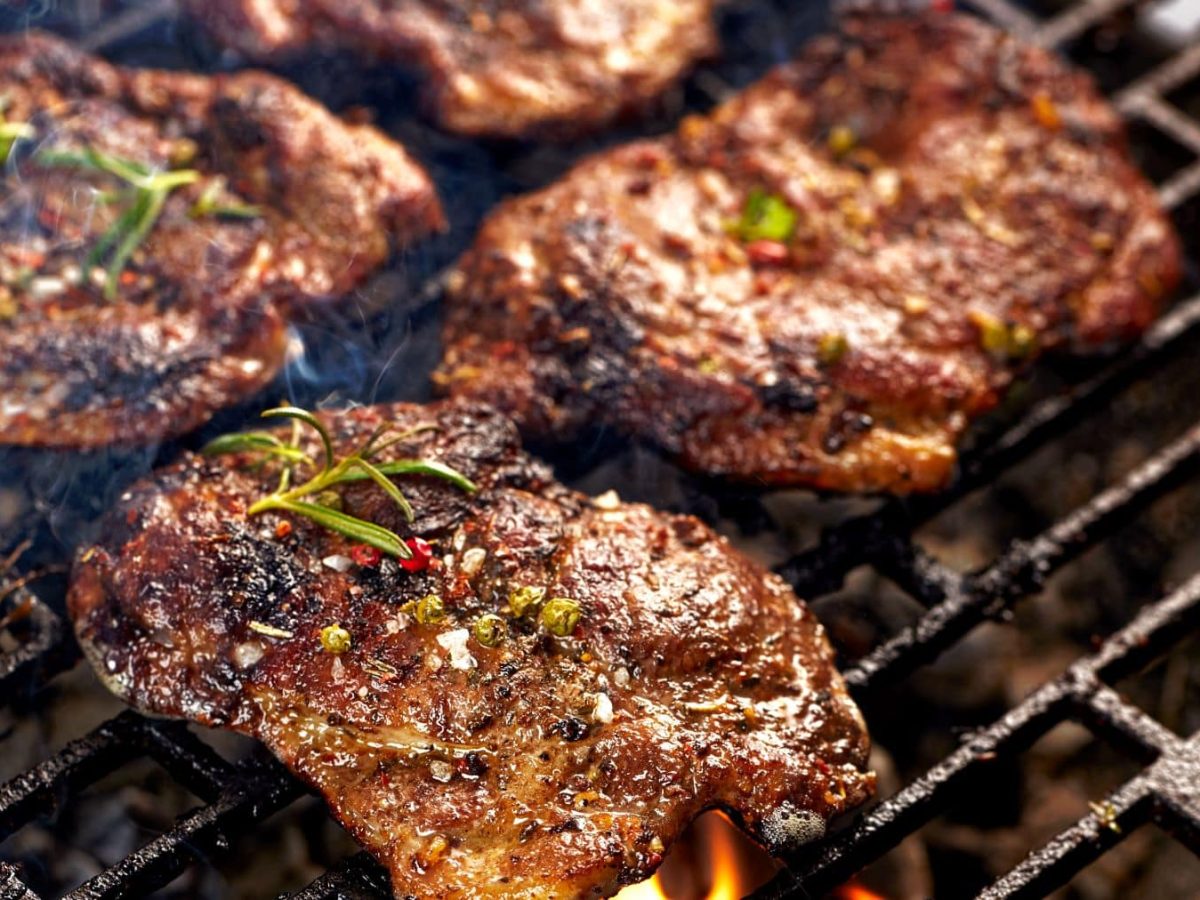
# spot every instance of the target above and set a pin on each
(852, 891)
(713, 861)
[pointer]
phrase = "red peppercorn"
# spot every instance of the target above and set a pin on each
(422, 553)
(365, 555)
(767, 253)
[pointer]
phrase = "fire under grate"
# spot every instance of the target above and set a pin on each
(1165, 792)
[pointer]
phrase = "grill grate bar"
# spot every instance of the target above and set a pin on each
(1169, 120)
(1182, 186)
(259, 790)
(1024, 567)
(1155, 629)
(11, 886)
(1125, 726)
(1179, 69)
(1071, 23)
(44, 652)
(1123, 811)
(81, 762)
(1012, 18)
(360, 872)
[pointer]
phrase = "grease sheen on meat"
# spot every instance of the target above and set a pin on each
(963, 203)
(543, 767)
(511, 68)
(197, 322)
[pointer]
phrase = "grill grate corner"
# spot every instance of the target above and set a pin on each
(1165, 792)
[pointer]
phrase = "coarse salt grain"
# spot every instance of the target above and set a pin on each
(455, 643)
(603, 711)
(472, 561)
(609, 500)
(247, 654)
(338, 563)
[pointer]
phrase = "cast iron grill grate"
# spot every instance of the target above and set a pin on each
(1166, 791)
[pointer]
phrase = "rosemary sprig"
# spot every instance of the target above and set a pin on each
(146, 197)
(357, 466)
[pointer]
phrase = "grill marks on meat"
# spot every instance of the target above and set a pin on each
(513, 68)
(963, 203)
(198, 322)
(542, 767)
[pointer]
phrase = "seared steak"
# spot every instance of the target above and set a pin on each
(514, 68)
(280, 205)
(537, 757)
(825, 280)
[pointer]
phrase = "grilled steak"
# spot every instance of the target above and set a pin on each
(516, 68)
(825, 280)
(279, 206)
(533, 766)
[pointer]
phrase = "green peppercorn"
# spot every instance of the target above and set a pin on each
(525, 599)
(490, 630)
(335, 639)
(1021, 341)
(560, 615)
(430, 609)
(331, 499)
(831, 348)
(842, 140)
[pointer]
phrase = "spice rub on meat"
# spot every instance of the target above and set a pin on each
(515, 68)
(825, 280)
(535, 708)
(157, 227)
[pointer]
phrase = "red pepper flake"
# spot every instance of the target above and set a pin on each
(822, 765)
(648, 156)
(764, 283)
(283, 529)
(942, 6)
(767, 253)
(422, 553)
(365, 555)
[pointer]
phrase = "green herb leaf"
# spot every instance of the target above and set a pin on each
(303, 415)
(420, 467)
(254, 441)
(146, 209)
(10, 133)
(371, 448)
(765, 217)
(354, 528)
(150, 190)
(208, 204)
(386, 483)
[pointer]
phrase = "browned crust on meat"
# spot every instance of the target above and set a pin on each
(551, 68)
(506, 779)
(989, 184)
(196, 323)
